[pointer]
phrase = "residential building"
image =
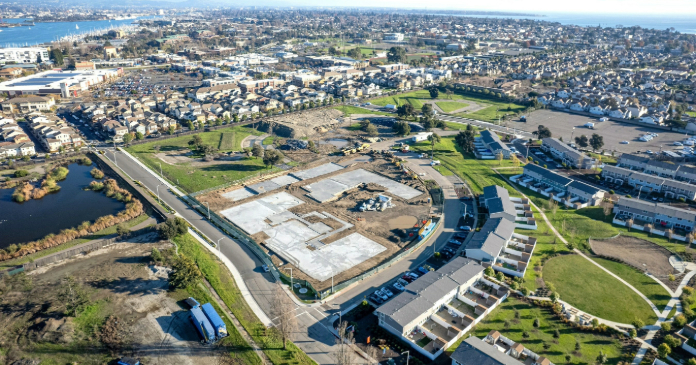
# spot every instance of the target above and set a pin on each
(28, 104)
(441, 305)
(498, 245)
(500, 205)
(687, 335)
(650, 183)
(493, 144)
(567, 154)
(23, 55)
(659, 215)
(495, 349)
(563, 189)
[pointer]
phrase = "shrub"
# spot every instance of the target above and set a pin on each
(21, 173)
(96, 173)
(172, 227)
(86, 161)
(156, 255)
(59, 173)
(679, 320)
(666, 326)
(632, 333)
(638, 323)
(611, 192)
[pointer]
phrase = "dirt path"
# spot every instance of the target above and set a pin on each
(249, 141)
(470, 108)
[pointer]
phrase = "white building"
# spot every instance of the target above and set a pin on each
(23, 55)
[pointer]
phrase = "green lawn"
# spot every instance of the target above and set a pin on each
(222, 281)
(649, 287)
(546, 246)
(414, 98)
(502, 319)
(349, 110)
(95, 236)
(691, 114)
(592, 290)
(195, 178)
(477, 173)
(268, 140)
(450, 106)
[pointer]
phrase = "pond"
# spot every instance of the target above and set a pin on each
(70, 206)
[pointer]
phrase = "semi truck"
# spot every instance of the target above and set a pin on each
(202, 324)
(215, 320)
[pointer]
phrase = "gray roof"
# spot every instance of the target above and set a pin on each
(474, 351)
(579, 185)
(570, 152)
(422, 294)
(647, 178)
(495, 191)
(633, 159)
(655, 208)
(617, 170)
(493, 236)
(548, 174)
(493, 141)
(662, 164)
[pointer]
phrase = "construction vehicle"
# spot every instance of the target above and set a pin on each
(215, 320)
(363, 146)
(348, 151)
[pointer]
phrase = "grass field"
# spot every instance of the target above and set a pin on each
(502, 319)
(349, 110)
(195, 178)
(649, 287)
(450, 106)
(222, 281)
(268, 140)
(592, 290)
(414, 98)
(95, 236)
(226, 141)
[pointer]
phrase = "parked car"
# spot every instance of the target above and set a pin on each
(381, 295)
(413, 275)
(624, 142)
(423, 270)
(408, 278)
(375, 298)
(460, 235)
(455, 242)
(398, 286)
(387, 292)
(265, 268)
(465, 228)
(402, 282)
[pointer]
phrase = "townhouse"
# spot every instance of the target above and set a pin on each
(498, 245)
(9, 149)
(495, 349)
(499, 204)
(567, 154)
(489, 145)
(441, 305)
(659, 215)
(669, 187)
(28, 104)
(563, 189)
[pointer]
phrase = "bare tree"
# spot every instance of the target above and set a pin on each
(607, 206)
(372, 352)
(344, 354)
(629, 224)
(282, 308)
(669, 233)
(689, 239)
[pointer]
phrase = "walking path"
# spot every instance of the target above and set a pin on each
(661, 316)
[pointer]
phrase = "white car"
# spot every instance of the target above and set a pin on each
(381, 295)
(624, 142)
(677, 144)
(387, 292)
(435, 162)
(398, 287)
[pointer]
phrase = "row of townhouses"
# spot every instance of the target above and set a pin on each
(573, 193)
(568, 155)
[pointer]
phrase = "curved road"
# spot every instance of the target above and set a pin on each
(313, 336)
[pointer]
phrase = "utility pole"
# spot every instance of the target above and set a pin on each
(208, 205)
(292, 286)
(218, 244)
(158, 197)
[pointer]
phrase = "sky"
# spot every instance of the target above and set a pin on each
(646, 7)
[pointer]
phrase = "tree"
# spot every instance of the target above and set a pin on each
(344, 354)
(679, 320)
(434, 92)
(427, 111)
(602, 358)
(555, 297)
(666, 326)
(127, 138)
(433, 138)
(542, 132)
(396, 55)
(196, 141)
(282, 309)
(500, 276)
(465, 141)
(272, 158)
(257, 151)
(355, 53)
(596, 141)
(185, 273)
(406, 110)
(582, 141)
(371, 130)
(172, 227)
(401, 128)
(139, 136)
(489, 271)
(499, 156)
(73, 295)
(122, 230)
(638, 323)
(57, 56)
(663, 351)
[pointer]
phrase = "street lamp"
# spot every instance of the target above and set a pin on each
(340, 315)
(408, 355)
(208, 205)
(571, 135)
(639, 190)
(161, 169)
(158, 197)
(218, 244)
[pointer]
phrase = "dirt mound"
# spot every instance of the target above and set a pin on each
(303, 124)
(403, 222)
(641, 254)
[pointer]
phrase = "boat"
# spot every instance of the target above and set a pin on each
(76, 27)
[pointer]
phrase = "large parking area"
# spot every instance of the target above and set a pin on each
(148, 82)
(562, 124)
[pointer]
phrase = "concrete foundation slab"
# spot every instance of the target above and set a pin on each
(264, 186)
(324, 169)
(325, 190)
(329, 188)
(251, 216)
(238, 194)
(285, 180)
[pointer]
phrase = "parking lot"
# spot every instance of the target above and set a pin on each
(561, 124)
(148, 82)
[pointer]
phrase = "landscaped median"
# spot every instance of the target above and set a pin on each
(221, 280)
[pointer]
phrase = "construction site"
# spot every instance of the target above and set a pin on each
(330, 220)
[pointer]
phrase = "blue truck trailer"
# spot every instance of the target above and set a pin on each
(202, 324)
(215, 320)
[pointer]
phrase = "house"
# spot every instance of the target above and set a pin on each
(498, 245)
(17, 149)
(687, 335)
(441, 305)
(474, 351)
(500, 205)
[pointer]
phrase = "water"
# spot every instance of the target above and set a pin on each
(49, 32)
(70, 206)
(680, 23)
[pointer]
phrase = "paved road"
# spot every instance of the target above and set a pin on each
(312, 337)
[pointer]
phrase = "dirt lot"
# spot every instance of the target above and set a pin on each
(117, 281)
(390, 228)
(303, 124)
(562, 124)
(638, 253)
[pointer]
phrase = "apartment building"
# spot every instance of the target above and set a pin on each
(567, 154)
(500, 205)
(659, 215)
(498, 245)
(495, 349)
(489, 144)
(649, 183)
(665, 169)
(563, 189)
(27, 104)
(441, 305)
(23, 55)
(9, 149)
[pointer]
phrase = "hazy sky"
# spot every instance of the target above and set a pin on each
(648, 7)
